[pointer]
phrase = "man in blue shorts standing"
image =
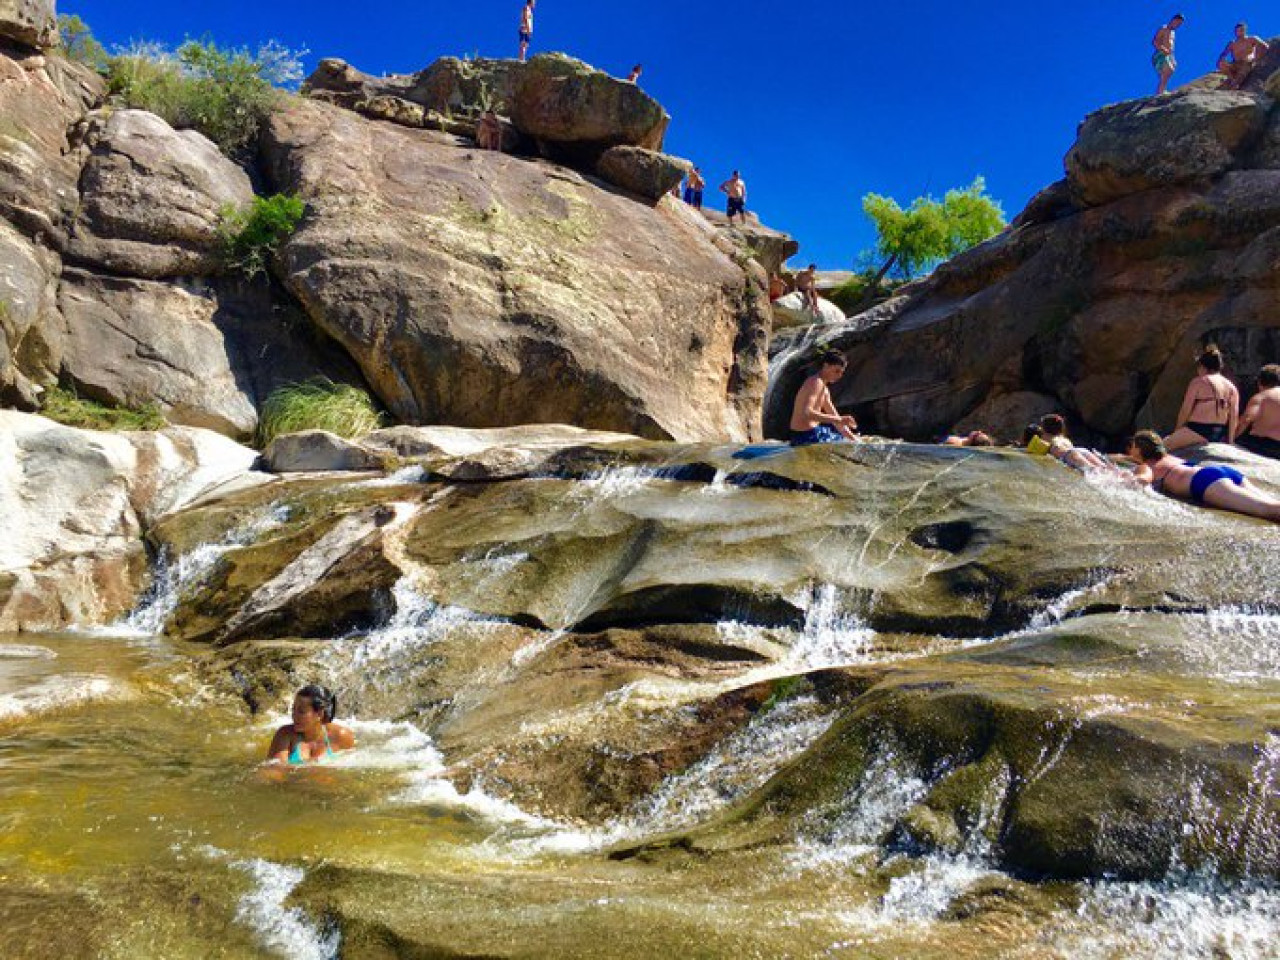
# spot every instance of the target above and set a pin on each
(526, 28)
(736, 189)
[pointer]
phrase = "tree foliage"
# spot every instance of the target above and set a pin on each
(78, 43)
(930, 231)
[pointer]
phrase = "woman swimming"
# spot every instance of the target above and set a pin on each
(313, 735)
(1211, 407)
(1212, 485)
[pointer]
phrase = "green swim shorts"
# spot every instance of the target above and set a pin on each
(1163, 61)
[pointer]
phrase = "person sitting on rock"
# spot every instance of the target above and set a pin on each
(814, 418)
(489, 131)
(777, 287)
(693, 187)
(312, 736)
(1210, 407)
(1212, 485)
(526, 28)
(1260, 424)
(1053, 431)
(634, 75)
(807, 287)
(1239, 57)
(1163, 60)
(736, 189)
(975, 438)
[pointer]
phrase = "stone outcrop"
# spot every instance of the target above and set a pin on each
(30, 329)
(481, 290)
(1161, 238)
(75, 504)
(647, 173)
(317, 450)
(791, 311)
(30, 22)
(467, 87)
(151, 198)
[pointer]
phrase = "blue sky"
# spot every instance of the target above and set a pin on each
(816, 101)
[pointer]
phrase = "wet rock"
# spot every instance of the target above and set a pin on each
(310, 451)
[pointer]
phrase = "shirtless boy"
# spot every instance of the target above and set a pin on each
(1240, 56)
(693, 187)
(814, 418)
(1163, 60)
(807, 284)
(1260, 423)
(526, 28)
(736, 189)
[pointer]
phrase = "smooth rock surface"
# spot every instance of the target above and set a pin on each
(30, 22)
(648, 173)
(310, 451)
(791, 311)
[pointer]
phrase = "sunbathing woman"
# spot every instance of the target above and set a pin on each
(1213, 485)
(313, 735)
(1053, 431)
(1210, 408)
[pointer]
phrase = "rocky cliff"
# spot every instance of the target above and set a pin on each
(1162, 236)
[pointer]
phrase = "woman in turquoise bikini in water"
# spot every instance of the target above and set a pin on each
(313, 735)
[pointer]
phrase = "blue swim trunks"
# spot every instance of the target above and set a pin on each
(737, 205)
(693, 197)
(819, 434)
(1206, 477)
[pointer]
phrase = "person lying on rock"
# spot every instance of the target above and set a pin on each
(1212, 485)
(807, 285)
(814, 418)
(1210, 407)
(313, 735)
(975, 438)
(736, 190)
(1239, 57)
(1163, 60)
(1260, 424)
(1053, 431)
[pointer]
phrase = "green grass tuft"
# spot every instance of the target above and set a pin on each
(66, 408)
(318, 404)
(251, 236)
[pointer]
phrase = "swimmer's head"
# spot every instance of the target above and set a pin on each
(1031, 430)
(314, 698)
(1147, 446)
(1269, 376)
(1052, 425)
(1210, 360)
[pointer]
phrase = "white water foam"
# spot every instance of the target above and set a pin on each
(54, 694)
(287, 931)
(18, 651)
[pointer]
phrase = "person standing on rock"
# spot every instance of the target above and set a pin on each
(1239, 57)
(634, 75)
(807, 286)
(1207, 485)
(693, 187)
(736, 189)
(1260, 425)
(1163, 60)
(814, 418)
(1210, 408)
(526, 28)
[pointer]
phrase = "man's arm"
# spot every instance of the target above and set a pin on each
(1251, 411)
(830, 409)
(1233, 416)
(724, 187)
(1188, 401)
(1161, 40)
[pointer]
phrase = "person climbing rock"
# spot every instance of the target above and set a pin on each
(807, 285)
(634, 75)
(693, 186)
(1207, 485)
(526, 28)
(1163, 59)
(312, 736)
(736, 190)
(814, 418)
(1260, 425)
(1239, 57)
(1210, 407)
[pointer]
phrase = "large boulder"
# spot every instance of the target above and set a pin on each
(791, 311)
(30, 22)
(151, 198)
(75, 504)
(576, 112)
(336, 81)
(478, 290)
(1191, 136)
(29, 327)
(466, 87)
(132, 342)
(648, 173)
(310, 451)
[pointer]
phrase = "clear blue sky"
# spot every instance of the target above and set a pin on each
(817, 101)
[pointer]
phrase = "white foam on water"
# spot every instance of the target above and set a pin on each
(1235, 645)
(287, 931)
(832, 636)
(418, 621)
(57, 694)
(414, 473)
(18, 651)
(615, 482)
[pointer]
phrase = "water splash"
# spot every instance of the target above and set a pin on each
(57, 694)
(287, 931)
(833, 635)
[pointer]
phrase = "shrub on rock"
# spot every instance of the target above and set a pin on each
(318, 404)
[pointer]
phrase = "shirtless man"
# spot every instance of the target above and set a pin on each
(634, 76)
(1207, 485)
(736, 189)
(1261, 421)
(807, 285)
(814, 418)
(526, 28)
(1163, 60)
(693, 187)
(1240, 56)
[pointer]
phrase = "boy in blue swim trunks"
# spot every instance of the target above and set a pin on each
(1208, 485)
(814, 418)
(526, 28)
(1163, 61)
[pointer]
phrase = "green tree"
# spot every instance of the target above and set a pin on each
(930, 231)
(79, 44)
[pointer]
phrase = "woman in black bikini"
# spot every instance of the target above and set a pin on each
(1209, 485)
(1211, 407)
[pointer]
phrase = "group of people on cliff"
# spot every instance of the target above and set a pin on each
(1210, 413)
(1237, 61)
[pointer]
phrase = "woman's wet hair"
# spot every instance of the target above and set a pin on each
(1053, 424)
(323, 700)
(1211, 359)
(1269, 376)
(832, 358)
(1149, 444)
